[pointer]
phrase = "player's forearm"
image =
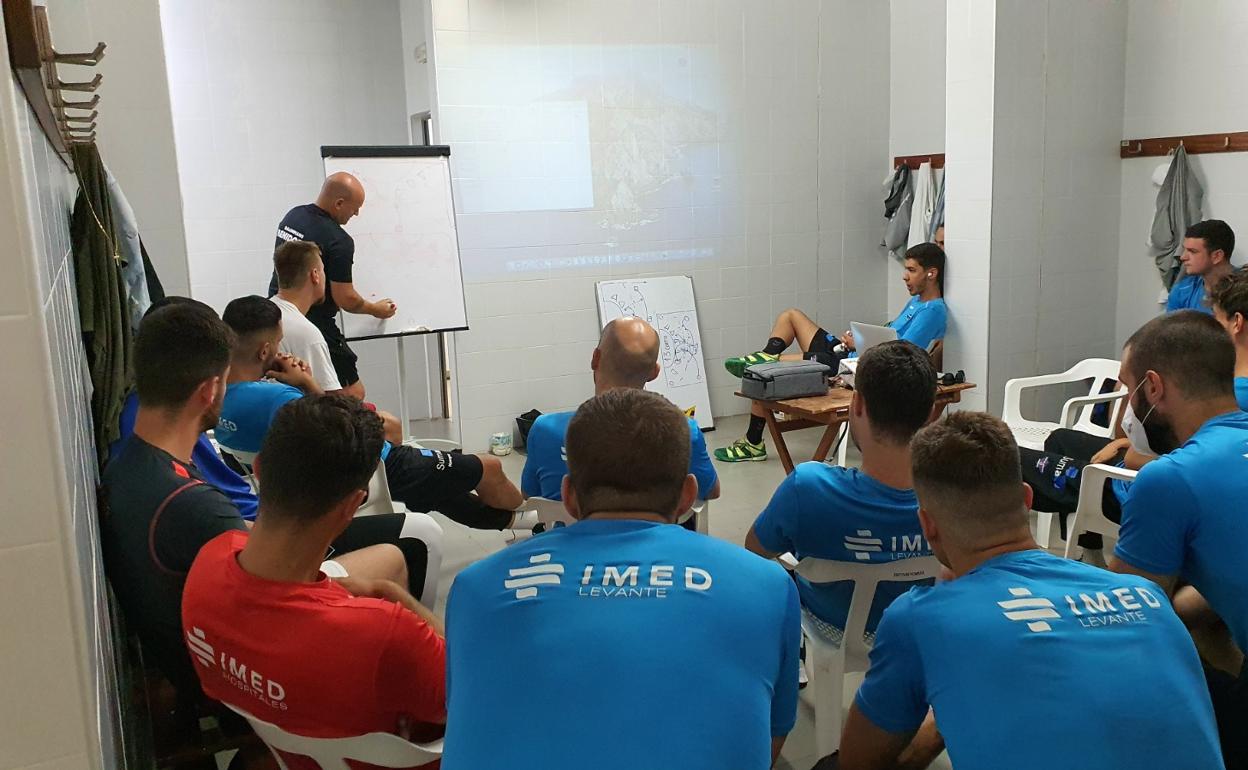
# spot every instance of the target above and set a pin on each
(352, 302)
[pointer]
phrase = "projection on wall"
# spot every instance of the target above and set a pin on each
(623, 142)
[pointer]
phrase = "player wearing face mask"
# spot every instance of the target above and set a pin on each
(1183, 521)
(1147, 431)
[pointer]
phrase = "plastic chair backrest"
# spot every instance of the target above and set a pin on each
(866, 577)
(699, 509)
(379, 500)
(381, 749)
(1103, 372)
(1076, 412)
(549, 512)
(1089, 516)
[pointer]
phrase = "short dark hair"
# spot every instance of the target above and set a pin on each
(1231, 293)
(628, 450)
(318, 450)
(898, 383)
(174, 299)
(251, 315)
(1187, 347)
(929, 255)
(178, 347)
(966, 466)
(1217, 235)
(292, 261)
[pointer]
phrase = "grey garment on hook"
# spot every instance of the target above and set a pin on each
(896, 187)
(938, 211)
(1179, 205)
(899, 199)
(130, 250)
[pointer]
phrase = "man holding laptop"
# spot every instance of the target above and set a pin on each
(921, 321)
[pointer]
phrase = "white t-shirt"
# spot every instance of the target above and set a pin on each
(301, 339)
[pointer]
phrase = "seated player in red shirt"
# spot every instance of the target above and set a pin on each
(273, 636)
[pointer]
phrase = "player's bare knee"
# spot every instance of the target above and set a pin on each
(395, 564)
(491, 466)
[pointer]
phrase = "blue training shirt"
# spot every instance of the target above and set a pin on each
(249, 409)
(1032, 662)
(1184, 515)
(841, 514)
(1241, 396)
(922, 322)
(547, 460)
(1188, 293)
(919, 322)
(205, 459)
(659, 647)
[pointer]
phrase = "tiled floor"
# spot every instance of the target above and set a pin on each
(746, 489)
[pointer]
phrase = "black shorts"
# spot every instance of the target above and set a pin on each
(341, 356)
(423, 479)
(429, 480)
(820, 343)
(821, 350)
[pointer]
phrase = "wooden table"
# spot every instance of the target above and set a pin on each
(830, 411)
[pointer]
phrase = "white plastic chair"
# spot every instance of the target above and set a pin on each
(828, 658)
(699, 509)
(550, 513)
(421, 526)
(379, 500)
(381, 749)
(1089, 516)
(1076, 413)
(245, 461)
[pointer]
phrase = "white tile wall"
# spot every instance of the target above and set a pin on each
(251, 110)
(916, 94)
(1058, 196)
(969, 92)
(630, 138)
(1033, 218)
(1190, 95)
(57, 649)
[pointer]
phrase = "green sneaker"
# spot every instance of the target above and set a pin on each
(736, 366)
(742, 451)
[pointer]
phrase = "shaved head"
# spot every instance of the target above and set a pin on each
(627, 354)
(341, 196)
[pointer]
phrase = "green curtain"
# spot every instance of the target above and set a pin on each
(101, 297)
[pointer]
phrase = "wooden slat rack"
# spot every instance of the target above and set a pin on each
(1195, 144)
(34, 61)
(937, 159)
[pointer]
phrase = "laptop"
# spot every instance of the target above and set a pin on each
(867, 336)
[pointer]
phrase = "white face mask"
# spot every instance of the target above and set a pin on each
(1134, 428)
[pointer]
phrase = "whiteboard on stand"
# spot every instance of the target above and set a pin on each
(667, 305)
(406, 244)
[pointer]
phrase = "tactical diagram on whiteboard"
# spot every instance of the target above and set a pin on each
(681, 356)
(667, 304)
(626, 298)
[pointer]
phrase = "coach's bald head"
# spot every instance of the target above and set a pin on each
(341, 196)
(627, 355)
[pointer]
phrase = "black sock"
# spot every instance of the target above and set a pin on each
(775, 346)
(754, 433)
